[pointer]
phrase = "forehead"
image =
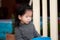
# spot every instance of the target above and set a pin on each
(28, 12)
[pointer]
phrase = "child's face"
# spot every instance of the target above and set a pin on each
(26, 18)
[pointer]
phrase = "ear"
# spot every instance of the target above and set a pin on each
(19, 17)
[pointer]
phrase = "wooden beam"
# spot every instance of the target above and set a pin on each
(53, 20)
(44, 13)
(36, 14)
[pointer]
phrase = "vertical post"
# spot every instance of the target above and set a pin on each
(30, 2)
(36, 14)
(44, 13)
(53, 20)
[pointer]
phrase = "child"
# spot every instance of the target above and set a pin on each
(24, 29)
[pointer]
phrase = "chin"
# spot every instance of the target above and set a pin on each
(27, 23)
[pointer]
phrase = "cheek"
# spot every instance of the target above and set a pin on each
(24, 18)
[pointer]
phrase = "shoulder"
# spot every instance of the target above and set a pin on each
(16, 28)
(31, 23)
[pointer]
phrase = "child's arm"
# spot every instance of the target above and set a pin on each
(36, 34)
(18, 34)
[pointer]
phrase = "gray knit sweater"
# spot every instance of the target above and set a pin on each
(25, 32)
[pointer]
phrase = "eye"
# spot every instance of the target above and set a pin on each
(27, 16)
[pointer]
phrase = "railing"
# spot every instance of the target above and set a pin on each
(53, 17)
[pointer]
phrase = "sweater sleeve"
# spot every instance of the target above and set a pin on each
(18, 34)
(35, 33)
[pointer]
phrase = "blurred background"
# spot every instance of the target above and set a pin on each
(7, 13)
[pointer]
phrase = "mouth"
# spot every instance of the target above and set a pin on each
(28, 21)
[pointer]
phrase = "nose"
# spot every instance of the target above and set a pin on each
(29, 19)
